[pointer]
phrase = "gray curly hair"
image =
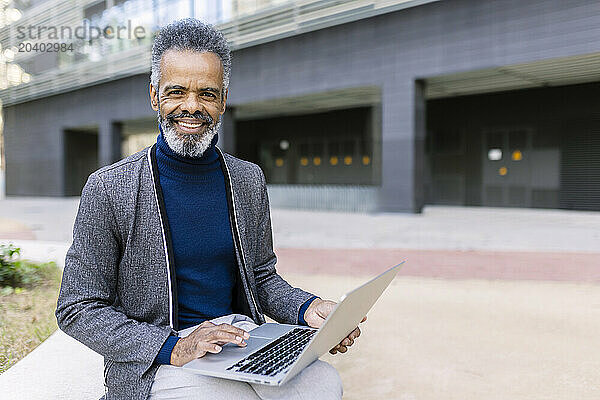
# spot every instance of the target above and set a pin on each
(190, 34)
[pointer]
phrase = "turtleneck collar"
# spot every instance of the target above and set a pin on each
(179, 166)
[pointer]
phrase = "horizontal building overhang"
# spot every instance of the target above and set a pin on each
(309, 104)
(552, 72)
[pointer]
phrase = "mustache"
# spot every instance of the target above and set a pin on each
(205, 117)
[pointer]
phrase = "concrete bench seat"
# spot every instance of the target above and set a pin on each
(59, 368)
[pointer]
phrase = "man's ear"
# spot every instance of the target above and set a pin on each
(224, 103)
(153, 97)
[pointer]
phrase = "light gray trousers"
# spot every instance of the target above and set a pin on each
(317, 381)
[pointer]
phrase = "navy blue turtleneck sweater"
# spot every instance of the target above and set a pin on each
(198, 217)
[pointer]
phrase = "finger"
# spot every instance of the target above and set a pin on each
(354, 334)
(333, 351)
(200, 329)
(205, 347)
(233, 329)
(364, 319)
(222, 336)
(228, 329)
(345, 342)
(343, 349)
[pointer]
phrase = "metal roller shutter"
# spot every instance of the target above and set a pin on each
(580, 167)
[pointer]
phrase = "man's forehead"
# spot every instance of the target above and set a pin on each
(178, 58)
(189, 64)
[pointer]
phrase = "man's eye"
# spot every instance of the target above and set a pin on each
(175, 92)
(208, 94)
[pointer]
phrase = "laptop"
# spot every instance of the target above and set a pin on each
(277, 352)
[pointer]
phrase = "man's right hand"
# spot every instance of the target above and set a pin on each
(207, 338)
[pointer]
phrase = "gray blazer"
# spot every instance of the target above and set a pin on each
(119, 293)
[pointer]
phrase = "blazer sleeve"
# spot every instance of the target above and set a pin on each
(278, 299)
(85, 307)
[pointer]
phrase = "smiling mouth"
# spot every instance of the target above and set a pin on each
(190, 125)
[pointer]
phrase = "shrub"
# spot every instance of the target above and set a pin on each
(17, 273)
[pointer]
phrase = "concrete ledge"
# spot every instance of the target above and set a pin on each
(40, 251)
(59, 368)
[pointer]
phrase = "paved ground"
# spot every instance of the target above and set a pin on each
(492, 303)
(448, 264)
(430, 339)
(442, 228)
(41, 218)
(437, 228)
(445, 242)
(426, 339)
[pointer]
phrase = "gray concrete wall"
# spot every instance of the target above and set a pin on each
(393, 50)
(34, 131)
(389, 51)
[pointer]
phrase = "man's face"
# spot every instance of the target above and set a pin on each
(190, 99)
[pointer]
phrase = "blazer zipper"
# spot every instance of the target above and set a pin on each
(237, 231)
(109, 365)
(162, 229)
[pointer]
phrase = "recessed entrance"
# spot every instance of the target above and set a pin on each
(81, 158)
(526, 148)
(506, 168)
(326, 138)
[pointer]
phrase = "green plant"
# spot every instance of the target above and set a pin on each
(17, 273)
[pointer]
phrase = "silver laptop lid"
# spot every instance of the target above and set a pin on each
(346, 316)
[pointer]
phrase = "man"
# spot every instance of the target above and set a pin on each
(177, 235)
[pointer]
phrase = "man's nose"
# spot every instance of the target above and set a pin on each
(192, 104)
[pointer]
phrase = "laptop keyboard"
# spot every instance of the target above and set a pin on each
(277, 355)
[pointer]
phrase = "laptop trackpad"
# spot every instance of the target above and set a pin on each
(270, 330)
(226, 357)
(232, 350)
(232, 353)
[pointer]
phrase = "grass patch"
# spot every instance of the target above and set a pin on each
(27, 313)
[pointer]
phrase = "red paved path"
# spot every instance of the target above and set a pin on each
(581, 267)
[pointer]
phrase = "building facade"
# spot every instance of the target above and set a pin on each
(367, 105)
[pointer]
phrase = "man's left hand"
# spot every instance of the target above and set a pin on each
(315, 315)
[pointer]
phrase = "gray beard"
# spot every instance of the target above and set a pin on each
(190, 145)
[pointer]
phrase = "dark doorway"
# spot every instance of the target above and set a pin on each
(507, 168)
(81, 159)
(333, 147)
(580, 167)
(526, 148)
